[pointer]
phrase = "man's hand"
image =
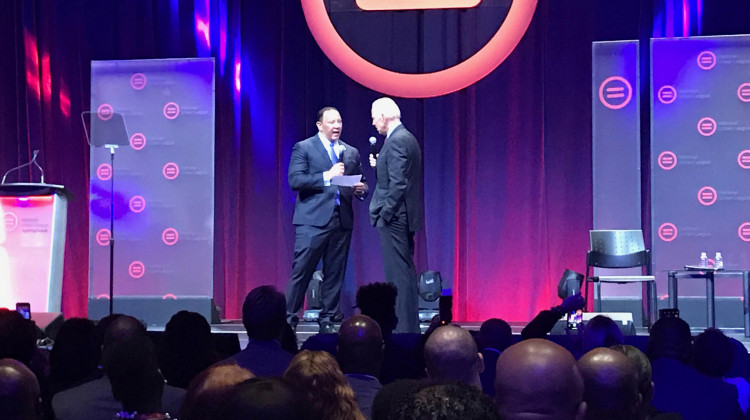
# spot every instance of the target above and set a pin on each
(336, 170)
(373, 160)
(359, 189)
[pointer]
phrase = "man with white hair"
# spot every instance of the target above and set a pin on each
(396, 208)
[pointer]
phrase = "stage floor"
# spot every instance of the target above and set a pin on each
(308, 329)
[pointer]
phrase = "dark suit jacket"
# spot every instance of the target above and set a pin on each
(315, 201)
(399, 170)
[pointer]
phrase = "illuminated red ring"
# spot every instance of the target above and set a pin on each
(421, 85)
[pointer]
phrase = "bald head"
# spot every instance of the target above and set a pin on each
(360, 347)
(611, 384)
(451, 353)
(538, 379)
(19, 391)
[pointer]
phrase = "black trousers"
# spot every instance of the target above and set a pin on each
(397, 244)
(311, 244)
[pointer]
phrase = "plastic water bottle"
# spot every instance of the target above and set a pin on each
(718, 261)
(704, 260)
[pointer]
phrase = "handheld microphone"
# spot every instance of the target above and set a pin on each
(373, 149)
(32, 161)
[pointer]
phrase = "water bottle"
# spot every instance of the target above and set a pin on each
(704, 260)
(718, 261)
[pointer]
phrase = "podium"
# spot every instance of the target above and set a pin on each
(32, 244)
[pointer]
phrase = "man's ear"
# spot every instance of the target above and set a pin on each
(480, 363)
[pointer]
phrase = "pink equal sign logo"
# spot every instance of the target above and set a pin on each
(104, 172)
(667, 94)
(667, 160)
(743, 92)
(171, 110)
(706, 60)
(707, 126)
(136, 269)
(743, 159)
(138, 81)
(105, 112)
(169, 296)
(744, 231)
(667, 232)
(11, 221)
(138, 141)
(103, 236)
(707, 196)
(170, 236)
(615, 92)
(137, 204)
(170, 170)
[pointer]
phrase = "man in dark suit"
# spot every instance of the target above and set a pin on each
(396, 208)
(323, 216)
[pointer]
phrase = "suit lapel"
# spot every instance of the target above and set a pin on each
(318, 145)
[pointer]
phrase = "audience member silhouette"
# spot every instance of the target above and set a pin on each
(288, 339)
(447, 402)
(738, 374)
(678, 386)
(360, 355)
(19, 392)
(268, 398)
(378, 301)
(495, 335)
(17, 337)
(713, 355)
(538, 379)
(95, 399)
(610, 385)
(74, 358)
(186, 348)
(450, 353)
(545, 320)
(264, 316)
(601, 331)
(392, 396)
(209, 392)
(317, 377)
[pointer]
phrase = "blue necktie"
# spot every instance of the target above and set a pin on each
(335, 160)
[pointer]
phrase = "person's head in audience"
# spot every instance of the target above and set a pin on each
(713, 353)
(360, 348)
(392, 396)
(538, 379)
(494, 333)
(601, 331)
(76, 354)
(447, 402)
(740, 361)
(643, 372)
(316, 375)
(186, 348)
(610, 385)
(19, 392)
(670, 338)
(378, 301)
(264, 313)
(17, 337)
(268, 398)
(129, 361)
(209, 392)
(450, 353)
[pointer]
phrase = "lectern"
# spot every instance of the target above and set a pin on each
(32, 244)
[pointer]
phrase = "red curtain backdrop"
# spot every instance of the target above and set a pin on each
(507, 182)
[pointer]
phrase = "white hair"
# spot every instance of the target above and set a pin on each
(387, 107)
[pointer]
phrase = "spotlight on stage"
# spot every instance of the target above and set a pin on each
(430, 290)
(312, 302)
(570, 284)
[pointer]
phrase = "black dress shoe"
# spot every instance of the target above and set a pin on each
(327, 328)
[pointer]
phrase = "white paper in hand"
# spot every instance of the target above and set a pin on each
(346, 180)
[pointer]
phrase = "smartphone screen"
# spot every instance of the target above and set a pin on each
(24, 309)
(446, 309)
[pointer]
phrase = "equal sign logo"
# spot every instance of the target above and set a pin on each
(136, 269)
(667, 160)
(170, 236)
(743, 159)
(105, 112)
(171, 110)
(668, 232)
(103, 236)
(743, 92)
(667, 94)
(137, 204)
(744, 231)
(615, 92)
(170, 170)
(11, 221)
(138, 81)
(707, 126)
(104, 172)
(706, 60)
(707, 196)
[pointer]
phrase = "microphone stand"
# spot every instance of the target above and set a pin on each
(111, 148)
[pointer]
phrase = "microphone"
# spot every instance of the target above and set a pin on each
(32, 161)
(373, 149)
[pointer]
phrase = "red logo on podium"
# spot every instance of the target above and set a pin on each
(136, 269)
(170, 236)
(138, 81)
(171, 110)
(707, 196)
(103, 236)
(170, 170)
(11, 221)
(668, 232)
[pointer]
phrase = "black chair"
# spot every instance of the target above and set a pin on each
(621, 249)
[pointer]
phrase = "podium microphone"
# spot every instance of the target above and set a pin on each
(32, 161)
